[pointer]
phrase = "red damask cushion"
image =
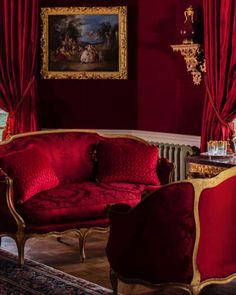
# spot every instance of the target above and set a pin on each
(71, 155)
(127, 162)
(31, 172)
(79, 202)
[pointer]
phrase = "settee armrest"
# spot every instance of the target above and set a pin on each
(165, 170)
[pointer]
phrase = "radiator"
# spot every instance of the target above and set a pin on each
(176, 154)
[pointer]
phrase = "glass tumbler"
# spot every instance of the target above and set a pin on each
(211, 147)
(221, 150)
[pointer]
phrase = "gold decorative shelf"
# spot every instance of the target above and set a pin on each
(194, 58)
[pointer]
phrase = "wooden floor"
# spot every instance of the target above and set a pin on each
(64, 256)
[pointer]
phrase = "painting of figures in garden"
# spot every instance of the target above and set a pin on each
(87, 42)
(84, 42)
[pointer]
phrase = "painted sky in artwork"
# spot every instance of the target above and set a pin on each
(90, 24)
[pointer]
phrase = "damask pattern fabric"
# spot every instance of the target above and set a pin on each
(82, 201)
(31, 172)
(70, 153)
(127, 162)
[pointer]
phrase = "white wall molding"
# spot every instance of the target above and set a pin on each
(191, 140)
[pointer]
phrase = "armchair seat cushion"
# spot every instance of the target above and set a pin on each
(78, 202)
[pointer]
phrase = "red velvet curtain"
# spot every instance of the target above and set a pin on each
(19, 22)
(220, 53)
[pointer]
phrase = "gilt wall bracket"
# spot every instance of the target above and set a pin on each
(194, 58)
(192, 52)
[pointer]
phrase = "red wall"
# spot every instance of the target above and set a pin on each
(158, 96)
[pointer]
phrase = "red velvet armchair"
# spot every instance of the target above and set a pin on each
(181, 235)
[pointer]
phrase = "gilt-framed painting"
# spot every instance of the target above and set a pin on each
(84, 42)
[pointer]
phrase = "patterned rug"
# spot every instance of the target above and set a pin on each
(36, 278)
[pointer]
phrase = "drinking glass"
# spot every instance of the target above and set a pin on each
(211, 147)
(221, 150)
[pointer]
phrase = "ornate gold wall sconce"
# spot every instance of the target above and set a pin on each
(192, 52)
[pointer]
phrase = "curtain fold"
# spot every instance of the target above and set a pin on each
(19, 24)
(220, 53)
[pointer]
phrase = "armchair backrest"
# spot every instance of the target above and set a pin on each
(182, 233)
(157, 236)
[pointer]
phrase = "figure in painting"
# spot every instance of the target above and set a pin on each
(89, 54)
(85, 56)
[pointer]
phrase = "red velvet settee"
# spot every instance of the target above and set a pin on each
(58, 183)
(181, 235)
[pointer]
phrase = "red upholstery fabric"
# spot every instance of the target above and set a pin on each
(217, 255)
(127, 162)
(73, 164)
(71, 156)
(157, 237)
(31, 172)
(74, 202)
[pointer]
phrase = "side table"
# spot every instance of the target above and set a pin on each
(208, 166)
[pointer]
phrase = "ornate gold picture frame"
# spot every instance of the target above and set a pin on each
(84, 42)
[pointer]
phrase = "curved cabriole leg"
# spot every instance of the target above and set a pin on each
(114, 282)
(20, 243)
(82, 240)
(194, 290)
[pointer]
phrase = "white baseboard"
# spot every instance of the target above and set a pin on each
(191, 140)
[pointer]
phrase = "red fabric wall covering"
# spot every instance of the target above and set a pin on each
(159, 94)
(168, 99)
